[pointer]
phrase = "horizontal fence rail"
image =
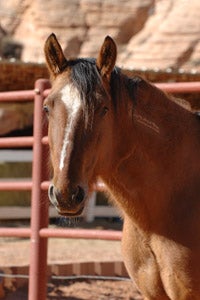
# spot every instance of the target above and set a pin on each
(170, 87)
(64, 233)
(39, 231)
(21, 96)
(180, 87)
(16, 142)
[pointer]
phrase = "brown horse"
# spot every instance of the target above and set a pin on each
(145, 148)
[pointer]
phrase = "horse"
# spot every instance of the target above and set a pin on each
(146, 150)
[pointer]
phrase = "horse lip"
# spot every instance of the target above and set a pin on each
(68, 213)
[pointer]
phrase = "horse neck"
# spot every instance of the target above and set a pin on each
(149, 145)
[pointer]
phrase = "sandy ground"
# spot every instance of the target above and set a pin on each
(84, 290)
(60, 251)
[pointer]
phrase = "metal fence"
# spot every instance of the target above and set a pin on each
(39, 231)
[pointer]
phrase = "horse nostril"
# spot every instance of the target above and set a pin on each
(78, 195)
(56, 197)
(53, 197)
(50, 191)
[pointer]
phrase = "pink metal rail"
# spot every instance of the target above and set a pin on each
(39, 231)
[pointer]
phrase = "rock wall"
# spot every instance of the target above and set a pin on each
(18, 76)
(80, 25)
(149, 33)
(171, 38)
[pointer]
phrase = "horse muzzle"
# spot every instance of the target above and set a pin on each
(70, 205)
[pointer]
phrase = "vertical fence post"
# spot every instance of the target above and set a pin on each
(39, 203)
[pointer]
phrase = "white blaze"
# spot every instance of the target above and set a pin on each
(71, 98)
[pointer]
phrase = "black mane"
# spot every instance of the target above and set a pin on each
(86, 77)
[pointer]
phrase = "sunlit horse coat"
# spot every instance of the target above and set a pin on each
(145, 148)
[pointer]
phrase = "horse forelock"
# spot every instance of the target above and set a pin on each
(87, 79)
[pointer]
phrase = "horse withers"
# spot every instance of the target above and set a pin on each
(146, 150)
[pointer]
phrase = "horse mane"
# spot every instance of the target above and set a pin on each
(121, 83)
(85, 76)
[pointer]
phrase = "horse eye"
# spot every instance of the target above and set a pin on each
(105, 110)
(46, 109)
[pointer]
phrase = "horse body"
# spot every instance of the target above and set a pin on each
(160, 236)
(145, 148)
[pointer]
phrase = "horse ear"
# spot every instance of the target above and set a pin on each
(107, 57)
(55, 59)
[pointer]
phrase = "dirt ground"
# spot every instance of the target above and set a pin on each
(84, 290)
(15, 252)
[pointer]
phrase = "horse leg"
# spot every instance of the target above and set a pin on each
(180, 268)
(141, 263)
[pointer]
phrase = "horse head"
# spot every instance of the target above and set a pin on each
(79, 110)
